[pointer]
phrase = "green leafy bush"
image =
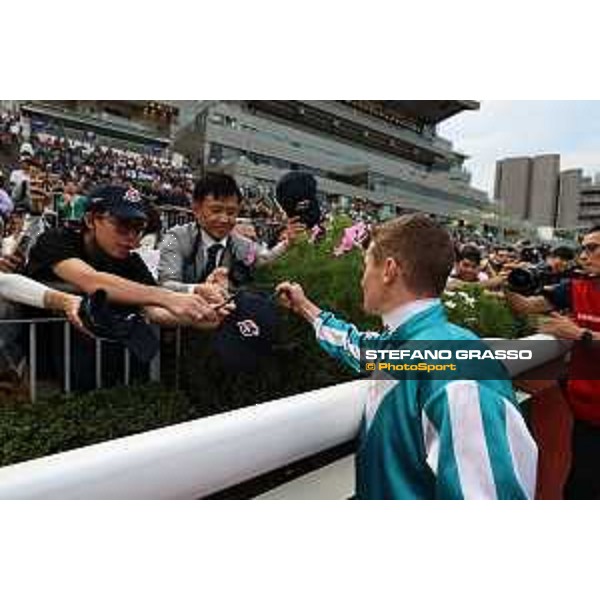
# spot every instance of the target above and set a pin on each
(61, 423)
(486, 314)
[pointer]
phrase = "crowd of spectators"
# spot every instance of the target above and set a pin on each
(111, 237)
(10, 128)
(73, 167)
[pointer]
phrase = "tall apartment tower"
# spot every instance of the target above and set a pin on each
(569, 199)
(543, 193)
(528, 188)
(512, 184)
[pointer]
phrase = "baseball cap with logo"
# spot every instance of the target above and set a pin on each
(118, 324)
(248, 334)
(120, 201)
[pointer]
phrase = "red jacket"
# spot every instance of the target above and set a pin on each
(583, 386)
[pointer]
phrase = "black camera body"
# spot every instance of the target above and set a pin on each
(531, 281)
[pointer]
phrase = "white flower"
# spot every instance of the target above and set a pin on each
(451, 305)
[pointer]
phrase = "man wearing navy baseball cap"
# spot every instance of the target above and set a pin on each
(120, 201)
(101, 257)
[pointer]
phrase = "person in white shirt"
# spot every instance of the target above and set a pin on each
(22, 290)
(468, 270)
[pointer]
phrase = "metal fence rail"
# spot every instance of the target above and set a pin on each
(32, 356)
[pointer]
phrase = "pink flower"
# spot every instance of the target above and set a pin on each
(250, 257)
(350, 238)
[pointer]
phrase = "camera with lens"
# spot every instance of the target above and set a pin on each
(530, 281)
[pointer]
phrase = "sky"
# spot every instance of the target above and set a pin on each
(524, 128)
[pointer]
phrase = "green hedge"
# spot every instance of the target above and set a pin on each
(60, 423)
(486, 314)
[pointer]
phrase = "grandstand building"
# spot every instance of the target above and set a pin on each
(141, 125)
(385, 152)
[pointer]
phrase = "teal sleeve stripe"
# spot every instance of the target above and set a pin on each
(508, 457)
(448, 485)
(340, 339)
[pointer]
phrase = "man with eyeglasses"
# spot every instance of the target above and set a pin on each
(579, 296)
(209, 249)
(101, 257)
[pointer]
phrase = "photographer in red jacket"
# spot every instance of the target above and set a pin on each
(579, 298)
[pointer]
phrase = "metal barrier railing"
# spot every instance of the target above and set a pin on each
(172, 216)
(32, 358)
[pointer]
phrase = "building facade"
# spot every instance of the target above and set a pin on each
(534, 189)
(569, 199)
(512, 186)
(385, 152)
(142, 125)
(589, 202)
(543, 196)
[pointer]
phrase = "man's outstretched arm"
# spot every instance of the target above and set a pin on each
(338, 338)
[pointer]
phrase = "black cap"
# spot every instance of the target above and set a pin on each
(248, 334)
(121, 201)
(126, 326)
(296, 192)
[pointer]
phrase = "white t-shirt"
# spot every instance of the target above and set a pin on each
(17, 177)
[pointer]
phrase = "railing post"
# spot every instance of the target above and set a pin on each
(32, 362)
(67, 356)
(127, 366)
(155, 363)
(98, 363)
(177, 355)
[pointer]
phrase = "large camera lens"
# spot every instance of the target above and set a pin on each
(524, 281)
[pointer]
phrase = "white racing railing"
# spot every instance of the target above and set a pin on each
(199, 458)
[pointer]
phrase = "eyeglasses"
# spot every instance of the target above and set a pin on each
(590, 248)
(126, 227)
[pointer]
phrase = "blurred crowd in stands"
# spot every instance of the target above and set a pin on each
(116, 240)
